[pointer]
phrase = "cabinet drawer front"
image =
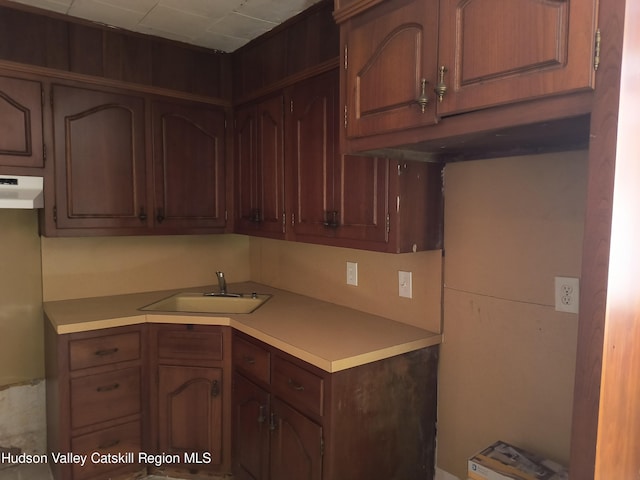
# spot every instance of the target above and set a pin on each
(298, 386)
(123, 440)
(93, 352)
(191, 343)
(107, 396)
(251, 359)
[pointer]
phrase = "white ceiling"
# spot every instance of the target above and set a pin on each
(217, 24)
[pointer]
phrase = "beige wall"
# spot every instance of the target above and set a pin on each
(508, 358)
(97, 266)
(21, 332)
(320, 271)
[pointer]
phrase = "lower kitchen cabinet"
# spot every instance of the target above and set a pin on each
(190, 396)
(296, 444)
(95, 398)
(251, 429)
(294, 421)
(184, 392)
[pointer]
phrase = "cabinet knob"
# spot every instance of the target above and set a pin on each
(143, 215)
(423, 100)
(441, 86)
(160, 216)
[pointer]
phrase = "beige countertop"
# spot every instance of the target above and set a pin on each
(326, 335)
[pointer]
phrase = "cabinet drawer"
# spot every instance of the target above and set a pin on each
(107, 396)
(251, 359)
(190, 343)
(93, 352)
(297, 386)
(123, 439)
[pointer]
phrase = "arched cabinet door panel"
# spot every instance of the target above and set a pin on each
(190, 411)
(189, 166)
(100, 162)
(21, 142)
(390, 67)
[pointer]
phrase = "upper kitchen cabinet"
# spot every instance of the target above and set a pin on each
(259, 168)
(21, 143)
(390, 67)
(493, 52)
(100, 159)
(352, 201)
(311, 149)
(189, 165)
(117, 174)
(499, 78)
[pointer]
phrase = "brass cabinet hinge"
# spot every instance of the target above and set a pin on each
(291, 106)
(346, 116)
(346, 56)
(44, 153)
(55, 213)
(321, 446)
(596, 55)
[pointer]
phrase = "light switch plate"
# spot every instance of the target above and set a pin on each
(352, 274)
(405, 284)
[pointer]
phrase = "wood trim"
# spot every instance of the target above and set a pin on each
(605, 441)
(290, 80)
(342, 14)
(53, 74)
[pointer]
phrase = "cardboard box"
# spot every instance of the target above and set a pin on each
(501, 461)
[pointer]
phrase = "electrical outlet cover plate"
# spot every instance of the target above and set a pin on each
(567, 294)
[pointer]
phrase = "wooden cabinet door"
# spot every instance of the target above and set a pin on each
(190, 411)
(312, 137)
(390, 49)
(363, 200)
(335, 198)
(246, 169)
(260, 168)
(251, 430)
(498, 52)
(296, 445)
(21, 142)
(100, 164)
(189, 165)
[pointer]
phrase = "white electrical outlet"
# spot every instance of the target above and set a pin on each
(567, 294)
(405, 284)
(352, 274)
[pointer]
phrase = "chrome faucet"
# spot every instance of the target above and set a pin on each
(222, 283)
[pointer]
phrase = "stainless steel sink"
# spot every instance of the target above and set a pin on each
(193, 302)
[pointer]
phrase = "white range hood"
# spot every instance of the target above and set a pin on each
(21, 192)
